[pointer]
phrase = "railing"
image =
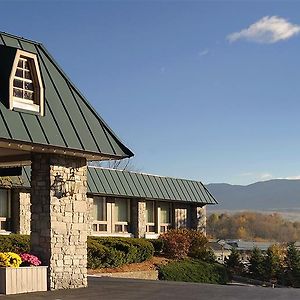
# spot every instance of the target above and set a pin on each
(150, 227)
(4, 224)
(164, 227)
(121, 227)
(100, 226)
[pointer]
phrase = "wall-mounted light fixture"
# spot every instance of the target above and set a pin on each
(63, 188)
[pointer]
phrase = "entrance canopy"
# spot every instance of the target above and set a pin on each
(42, 111)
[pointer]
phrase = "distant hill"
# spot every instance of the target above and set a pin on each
(273, 195)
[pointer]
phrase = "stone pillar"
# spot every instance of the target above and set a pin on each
(198, 218)
(138, 218)
(20, 204)
(89, 215)
(58, 219)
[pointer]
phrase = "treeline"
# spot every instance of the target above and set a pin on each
(253, 226)
(279, 264)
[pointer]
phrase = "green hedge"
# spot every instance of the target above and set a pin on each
(114, 252)
(194, 270)
(14, 243)
(102, 251)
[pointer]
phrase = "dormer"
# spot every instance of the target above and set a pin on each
(25, 84)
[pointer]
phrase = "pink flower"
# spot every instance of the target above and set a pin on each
(29, 260)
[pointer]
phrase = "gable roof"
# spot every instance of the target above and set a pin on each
(116, 183)
(69, 122)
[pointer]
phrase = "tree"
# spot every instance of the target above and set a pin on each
(233, 262)
(292, 261)
(272, 264)
(256, 264)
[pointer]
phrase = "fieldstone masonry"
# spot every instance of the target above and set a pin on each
(58, 220)
(138, 218)
(198, 218)
(21, 211)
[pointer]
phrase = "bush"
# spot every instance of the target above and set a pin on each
(114, 252)
(157, 244)
(180, 243)
(193, 270)
(176, 243)
(15, 243)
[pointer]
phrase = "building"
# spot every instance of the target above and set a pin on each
(120, 203)
(48, 125)
(221, 250)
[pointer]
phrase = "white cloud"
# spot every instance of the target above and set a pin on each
(291, 177)
(267, 30)
(265, 176)
(203, 52)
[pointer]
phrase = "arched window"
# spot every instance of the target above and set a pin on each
(26, 88)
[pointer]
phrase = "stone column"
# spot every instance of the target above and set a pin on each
(58, 219)
(20, 204)
(138, 218)
(198, 218)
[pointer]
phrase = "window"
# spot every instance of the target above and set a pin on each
(111, 215)
(164, 216)
(181, 217)
(150, 216)
(26, 90)
(121, 215)
(99, 214)
(5, 209)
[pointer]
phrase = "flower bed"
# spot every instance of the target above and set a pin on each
(21, 273)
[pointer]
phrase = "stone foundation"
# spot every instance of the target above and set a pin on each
(59, 224)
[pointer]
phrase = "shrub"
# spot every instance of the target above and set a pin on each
(204, 254)
(193, 270)
(180, 243)
(14, 243)
(114, 252)
(176, 243)
(157, 244)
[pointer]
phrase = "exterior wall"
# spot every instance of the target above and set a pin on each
(198, 218)
(138, 218)
(89, 215)
(21, 215)
(59, 224)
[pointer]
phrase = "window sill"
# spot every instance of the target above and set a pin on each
(26, 107)
(112, 234)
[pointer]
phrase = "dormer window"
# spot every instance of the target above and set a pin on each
(26, 89)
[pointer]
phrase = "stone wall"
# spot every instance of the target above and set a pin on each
(59, 223)
(138, 218)
(89, 215)
(198, 218)
(21, 215)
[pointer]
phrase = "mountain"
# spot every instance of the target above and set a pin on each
(272, 195)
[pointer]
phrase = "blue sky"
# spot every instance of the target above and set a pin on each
(207, 90)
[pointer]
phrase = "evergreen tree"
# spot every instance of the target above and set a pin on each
(256, 264)
(292, 261)
(272, 265)
(233, 262)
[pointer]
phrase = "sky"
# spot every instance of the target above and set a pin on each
(206, 90)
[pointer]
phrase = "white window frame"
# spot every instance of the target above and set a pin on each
(110, 220)
(151, 224)
(165, 226)
(97, 223)
(36, 105)
(4, 221)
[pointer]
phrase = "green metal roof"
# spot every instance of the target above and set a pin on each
(69, 121)
(116, 183)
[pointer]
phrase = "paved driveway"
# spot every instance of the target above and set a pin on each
(129, 289)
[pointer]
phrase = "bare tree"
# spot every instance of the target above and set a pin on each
(120, 164)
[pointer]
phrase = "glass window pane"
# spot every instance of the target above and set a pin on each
(29, 86)
(121, 210)
(18, 93)
(99, 209)
(18, 83)
(164, 213)
(28, 95)
(149, 211)
(20, 63)
(19, 73)
(27, 75)
(4, 203)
